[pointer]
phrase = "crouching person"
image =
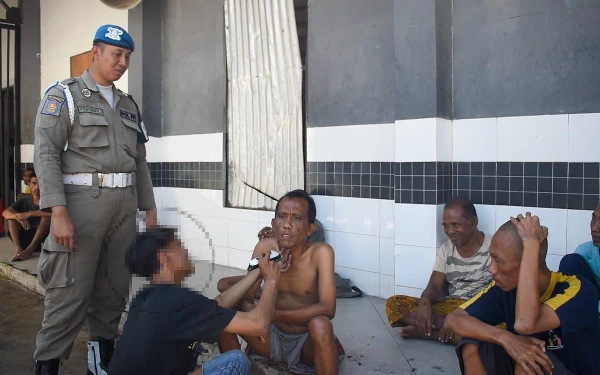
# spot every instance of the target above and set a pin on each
(550, 317)
(166, 321)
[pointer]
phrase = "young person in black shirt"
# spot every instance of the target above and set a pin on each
(165, 318)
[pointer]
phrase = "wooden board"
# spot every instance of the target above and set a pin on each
(80, 63)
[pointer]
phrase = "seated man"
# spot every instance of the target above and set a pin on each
(28, 227)
(267, 232)
(461, 263)
(166, 320)
(586, 259)
(301, 333)
(550, 317)
(26, 176)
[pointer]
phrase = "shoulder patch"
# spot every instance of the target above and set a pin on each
(95, 111)
(52, 106)
(128, 115)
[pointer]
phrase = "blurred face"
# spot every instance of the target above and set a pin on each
(111, 62)
(457, 227)
(34, 187)
(27, 176)
(505, 262)
(595, 226)
(290, 224)
(176, 258)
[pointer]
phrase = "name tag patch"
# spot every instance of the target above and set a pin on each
(53, 105)
(95, 111)
(128, 116)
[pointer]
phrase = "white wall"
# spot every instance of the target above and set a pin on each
(61, 39)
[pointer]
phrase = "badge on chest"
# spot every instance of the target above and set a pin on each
(128, 115)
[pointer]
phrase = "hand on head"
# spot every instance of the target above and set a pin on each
(529, 227)
(266, 232)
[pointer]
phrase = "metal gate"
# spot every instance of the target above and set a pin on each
(10, 106)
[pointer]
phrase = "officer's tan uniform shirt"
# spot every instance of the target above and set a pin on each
(101, 140)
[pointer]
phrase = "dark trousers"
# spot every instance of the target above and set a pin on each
(575, 264)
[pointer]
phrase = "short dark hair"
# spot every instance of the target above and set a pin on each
(99, 45)
(466, 205)
(32, 174)
(142, 257)
(299, 193)
(510, 227)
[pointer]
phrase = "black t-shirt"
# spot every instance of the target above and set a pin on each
(163, 320)
(26, 204)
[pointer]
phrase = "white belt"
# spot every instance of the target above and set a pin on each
(109, 180)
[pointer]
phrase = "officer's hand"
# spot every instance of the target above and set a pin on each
(151, 219)
(63, 228)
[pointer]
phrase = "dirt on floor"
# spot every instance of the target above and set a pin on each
(21, 313)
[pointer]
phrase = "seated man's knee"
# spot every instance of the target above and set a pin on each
(320, 327)
(239, 360)
(469, 352)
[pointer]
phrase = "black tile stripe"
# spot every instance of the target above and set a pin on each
(531, 184)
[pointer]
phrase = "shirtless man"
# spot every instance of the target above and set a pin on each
(301, 332)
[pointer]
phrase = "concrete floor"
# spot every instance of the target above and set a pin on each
(372, 346)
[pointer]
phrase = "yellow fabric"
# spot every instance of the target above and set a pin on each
(397, 307)
(27, 190)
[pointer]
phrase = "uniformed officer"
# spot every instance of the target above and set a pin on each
(90, 159)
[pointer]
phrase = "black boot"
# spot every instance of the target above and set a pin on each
(49, 367)
(100, 352)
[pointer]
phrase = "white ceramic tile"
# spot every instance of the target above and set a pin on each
(207, 203)
(386, 256)
(319, 146)
(407, 291)
(200, 250)
(444, 139)
(439, 229)
(474, 139)
(212, 229)
(239, 258)
(193, 147)
(584, 131)
(357, 143)
(387, 216)
(578, 228)
(325, 211)
(27, 153)
(239, 214)
(416, 140)
(386, 286)
(487, 218)
(330, 238)
(154, 152)
(554, 219)
(357, 251)
(357, 215)
(265, 217)
(242, 235)
(222, 255)
(533, 138)
(553, 261)
(388, 139)
(413, 265)
(368, 282)
(416, 225)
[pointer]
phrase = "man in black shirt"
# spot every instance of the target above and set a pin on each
(166, 320)
(28, 227)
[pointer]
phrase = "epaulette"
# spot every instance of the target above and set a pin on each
(64, 87)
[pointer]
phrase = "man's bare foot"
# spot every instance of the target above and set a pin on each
(411, 332)
(22, 255)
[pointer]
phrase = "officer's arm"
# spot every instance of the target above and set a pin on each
(52, 129)
(143, 181)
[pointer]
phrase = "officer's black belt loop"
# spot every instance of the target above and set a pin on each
(95, 185)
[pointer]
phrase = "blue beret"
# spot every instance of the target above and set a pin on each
(114, 35)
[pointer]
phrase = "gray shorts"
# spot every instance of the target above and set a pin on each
(498, 362)
(287, 348)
